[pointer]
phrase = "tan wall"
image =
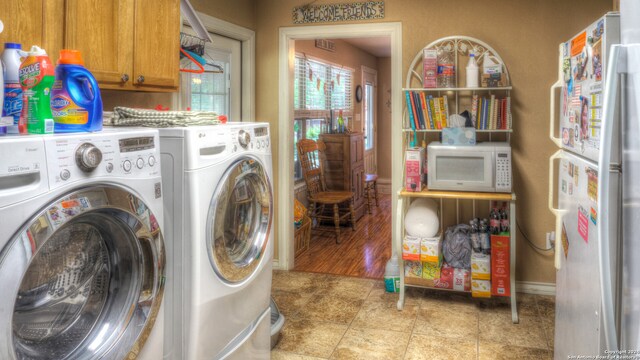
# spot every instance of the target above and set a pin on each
(383, 137)
(348, 56)
(525, 33)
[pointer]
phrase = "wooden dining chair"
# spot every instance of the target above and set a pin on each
(324, 204)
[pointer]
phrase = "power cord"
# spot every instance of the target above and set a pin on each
(529, 241)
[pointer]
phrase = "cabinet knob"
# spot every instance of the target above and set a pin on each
(125, 78)
(140, 79)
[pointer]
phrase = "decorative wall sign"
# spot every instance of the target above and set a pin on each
(338, 12)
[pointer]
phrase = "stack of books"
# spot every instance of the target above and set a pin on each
(491, 113)
(426, 111)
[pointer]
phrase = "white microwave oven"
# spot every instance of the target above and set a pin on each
(484, 167)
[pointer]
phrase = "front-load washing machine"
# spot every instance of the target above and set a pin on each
(219, 241)
(81, 251)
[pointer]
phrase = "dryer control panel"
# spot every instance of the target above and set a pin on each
(124, 154)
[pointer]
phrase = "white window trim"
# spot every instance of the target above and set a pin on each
(247, 37)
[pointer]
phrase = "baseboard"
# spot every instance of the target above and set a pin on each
(537, 288)
(276, 265)
(384, 186)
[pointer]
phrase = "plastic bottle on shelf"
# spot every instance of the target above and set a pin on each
(475, 236)
(485, 237)
(494, 222)
(504, 219)
(12, 91)
(446, 69)
(340, 122)
(473, 72)
(392, 275)
(36, 78)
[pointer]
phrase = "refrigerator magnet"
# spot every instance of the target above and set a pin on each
(565, 241)
(594, 216)
(583, 224)
(592, 184)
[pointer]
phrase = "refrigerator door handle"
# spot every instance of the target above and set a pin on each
(604, 261)
(558, 213)
(552, 100)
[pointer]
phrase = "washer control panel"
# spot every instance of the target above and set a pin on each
(128, 154)
(251, 138)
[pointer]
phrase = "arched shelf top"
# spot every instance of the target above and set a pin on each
(461, 45)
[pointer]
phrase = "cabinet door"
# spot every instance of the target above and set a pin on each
(103, 32)
(33, 22)
(156, 46)
(357, 184)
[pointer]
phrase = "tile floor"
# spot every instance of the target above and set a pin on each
(336, 317)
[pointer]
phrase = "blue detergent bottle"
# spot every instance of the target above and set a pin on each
(76, 104)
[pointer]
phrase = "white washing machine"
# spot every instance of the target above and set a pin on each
(81, 251)
(219, 241)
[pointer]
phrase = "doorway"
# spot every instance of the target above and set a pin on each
(288, 36)
(369, 122)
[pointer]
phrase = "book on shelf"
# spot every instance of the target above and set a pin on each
(445, 110)
(416, 125)
(416, 100)
(410, 110)
(474, 110)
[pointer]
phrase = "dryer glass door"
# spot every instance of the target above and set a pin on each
(239, 220)
(84, 278)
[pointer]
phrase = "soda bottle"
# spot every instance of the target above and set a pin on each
(446, 69)
(494, 224)
(485, 237)
(475, 237)
(504, 219)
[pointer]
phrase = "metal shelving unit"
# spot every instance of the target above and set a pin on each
(460, 45)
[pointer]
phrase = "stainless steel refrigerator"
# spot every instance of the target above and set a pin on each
(597, 252)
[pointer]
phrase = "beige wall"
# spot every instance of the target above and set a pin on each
(383, 137)
(348, 56)
(525, 33)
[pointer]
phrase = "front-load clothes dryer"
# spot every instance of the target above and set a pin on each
(81, 248)
(218, 207)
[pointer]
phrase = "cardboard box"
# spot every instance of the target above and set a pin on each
(481, 288)
(430, 271)
(414, 168)
(431, 250)
(480, 266)
(411, 248)
(500, 265)
(454, 279)
(429, 68)
(459, 136)
(413, 269)
(492, 80)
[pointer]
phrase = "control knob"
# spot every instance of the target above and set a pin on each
(88, 157)
(244, 138)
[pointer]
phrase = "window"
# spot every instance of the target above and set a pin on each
(219, 88)
(319, 90)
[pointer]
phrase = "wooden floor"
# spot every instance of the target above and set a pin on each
(361, 253)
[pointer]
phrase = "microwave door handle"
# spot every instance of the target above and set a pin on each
(558, 213)
(552, 100)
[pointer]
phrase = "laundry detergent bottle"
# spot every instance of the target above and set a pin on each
(76, 104)
(12, 89)
(36, 79)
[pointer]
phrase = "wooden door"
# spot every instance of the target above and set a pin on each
(103, 32)
(156, 45)
(33, 22)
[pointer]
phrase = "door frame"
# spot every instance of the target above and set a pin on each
(367, 71)
(287, 37)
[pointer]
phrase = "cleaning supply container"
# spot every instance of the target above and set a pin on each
(36, 79)
(76, 104)
(392, 275)
(12, 90)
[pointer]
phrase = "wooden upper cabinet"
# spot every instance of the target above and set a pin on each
(102, 31)
(127, 44)
(156, 50)
(33, 22)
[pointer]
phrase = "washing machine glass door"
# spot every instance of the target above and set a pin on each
(239, 220)
(84, 278)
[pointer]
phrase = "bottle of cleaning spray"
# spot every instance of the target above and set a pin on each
(12, 89)
(36, 79)
(76, 104)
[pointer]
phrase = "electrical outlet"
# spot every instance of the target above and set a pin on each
(551, 240)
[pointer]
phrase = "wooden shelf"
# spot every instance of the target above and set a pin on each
(440, 130)
(463, 195)
(502, 88)
(424, 283)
